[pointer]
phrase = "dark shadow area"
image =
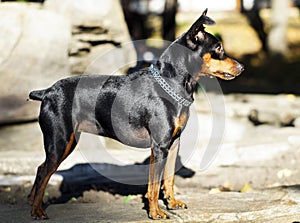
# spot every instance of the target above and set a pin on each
(104, 177)
(254, 19)
(263, 74)
(137, 14)
(292, 187)
(266, 72)
(267, 75)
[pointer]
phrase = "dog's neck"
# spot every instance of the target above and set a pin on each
(177, 63)
(179, 75)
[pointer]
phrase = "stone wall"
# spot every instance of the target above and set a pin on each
(40, 44)
(99, 34)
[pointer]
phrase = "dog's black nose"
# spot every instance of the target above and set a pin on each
(241, 67)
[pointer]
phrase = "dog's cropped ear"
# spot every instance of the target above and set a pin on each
(195, 33)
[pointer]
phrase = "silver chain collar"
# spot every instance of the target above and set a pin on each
(167, 88)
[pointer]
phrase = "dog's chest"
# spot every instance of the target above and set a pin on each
(180, 123)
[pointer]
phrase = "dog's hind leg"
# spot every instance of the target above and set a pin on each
(44, 173)
(168, 181)
(58, 145)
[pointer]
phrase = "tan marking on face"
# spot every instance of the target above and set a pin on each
(220, 49)
(219, 68)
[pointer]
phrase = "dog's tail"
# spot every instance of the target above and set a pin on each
(37, 95)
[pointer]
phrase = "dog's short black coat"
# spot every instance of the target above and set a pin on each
(132, 109)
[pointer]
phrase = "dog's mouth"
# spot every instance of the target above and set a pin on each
(226, 69)
(224, 75)
(229, 74)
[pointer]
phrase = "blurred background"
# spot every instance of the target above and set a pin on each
(263, 34)
(43, 41)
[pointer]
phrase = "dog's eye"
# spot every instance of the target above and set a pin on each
(219, 49)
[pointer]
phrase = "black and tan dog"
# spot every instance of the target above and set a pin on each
(152, 110)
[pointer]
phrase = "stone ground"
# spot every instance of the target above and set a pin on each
(253, 178)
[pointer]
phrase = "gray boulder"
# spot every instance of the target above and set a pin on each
(98, 26)
(33, 55)
(85, 13)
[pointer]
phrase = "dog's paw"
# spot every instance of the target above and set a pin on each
(158, 214)
(39, 214)
(176, 204)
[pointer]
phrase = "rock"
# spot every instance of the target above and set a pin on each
(262, 118)
(287, 121)
(20, 152)
(98, 27)
(77, 64)
(79, 48)
(94, 39)
(297, 122)
(33, 55)
(270, 205)
(266, 105)
(108, 59)
(88, 29)
(294, 140)
(93, 16)
(87, 13)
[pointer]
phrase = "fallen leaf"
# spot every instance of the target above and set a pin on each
(246, 188)
(127, 199)
(291, 97)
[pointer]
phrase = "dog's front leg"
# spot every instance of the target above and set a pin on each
(157, 164)
(168, 182)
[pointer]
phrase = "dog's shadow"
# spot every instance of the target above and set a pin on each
(115, 179)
